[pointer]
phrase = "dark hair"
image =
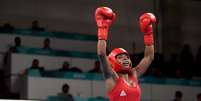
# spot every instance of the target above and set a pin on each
(17, 41)
(46, 40)
(66, 62)
(199, 95)
(178, 94)
(17, 38)
(65, 86)
(35, 60)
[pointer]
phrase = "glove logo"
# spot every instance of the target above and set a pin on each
(123, 93)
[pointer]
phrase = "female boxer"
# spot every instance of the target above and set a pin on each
(120, 78)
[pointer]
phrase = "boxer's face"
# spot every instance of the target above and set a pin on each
(124, 60)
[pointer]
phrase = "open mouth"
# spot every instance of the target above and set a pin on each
(126, 63)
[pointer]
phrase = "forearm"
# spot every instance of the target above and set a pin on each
(146, 21)
(149, 52)
(146, 61)
(104, 18)
(105, 67)
(101, 47)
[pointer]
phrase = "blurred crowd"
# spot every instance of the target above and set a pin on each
(180, 65)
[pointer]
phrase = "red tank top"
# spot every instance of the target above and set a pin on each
(123, 92)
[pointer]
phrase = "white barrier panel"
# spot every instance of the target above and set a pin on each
(164, 91)
(20, 62)
(146, 91)
(40, 88)
(159, 92)
(15, 83)
(98, 88)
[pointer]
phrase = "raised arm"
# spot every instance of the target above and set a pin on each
(146, 21)
(105, 66)
(104, 18)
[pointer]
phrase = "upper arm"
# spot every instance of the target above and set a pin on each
(106, 67)
(108, 74)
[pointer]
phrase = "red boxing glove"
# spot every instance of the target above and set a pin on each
(104, 17)
(146, 21)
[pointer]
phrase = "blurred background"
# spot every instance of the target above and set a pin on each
(48, 48)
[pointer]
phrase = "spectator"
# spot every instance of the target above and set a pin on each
(17, 41)
(65, 93)
(187, 60)
(75, 69)
(158, 64)
(65, 66)
(96, 68)
(179, 73)
(178, 96)
(173, 68)
(155, 72)
(35, 65)
(199, 97)
(36, 27)
(7, 28)
(46, 44)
